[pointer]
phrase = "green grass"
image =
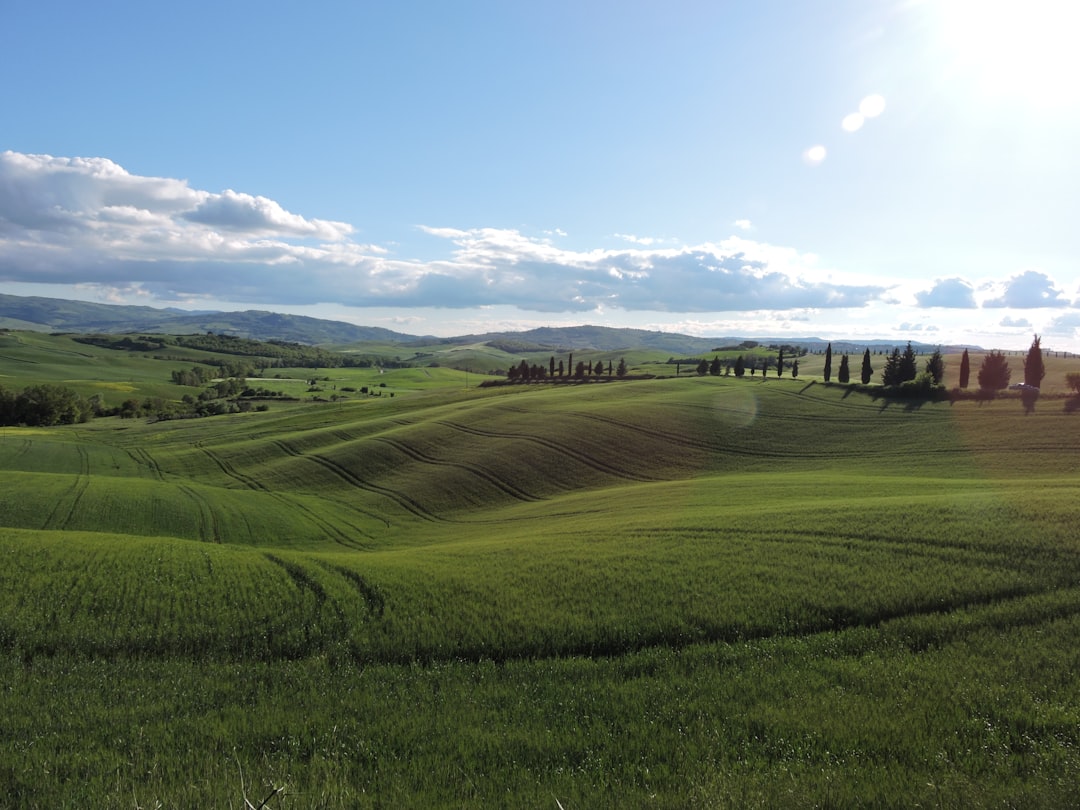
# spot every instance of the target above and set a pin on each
(673, 593)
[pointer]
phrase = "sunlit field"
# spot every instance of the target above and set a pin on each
(669, 592)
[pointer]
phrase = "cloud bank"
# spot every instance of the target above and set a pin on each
(88, 221)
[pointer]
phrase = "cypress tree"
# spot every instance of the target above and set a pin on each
(867, 369)
(890, 375)
(908, 368)
(780, 363)
(1034, 370)
(844, 374)
(965, 369)
(828, 362)
(935, 366)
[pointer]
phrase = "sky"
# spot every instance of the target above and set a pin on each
(845, 169)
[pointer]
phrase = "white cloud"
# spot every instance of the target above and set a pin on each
(637, 240)
(259, 215)
(1028, 290)
(1015, 322)
(743, 224)
(88, 221)
(949, 292)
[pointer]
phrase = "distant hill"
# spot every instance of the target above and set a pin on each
(61, 315)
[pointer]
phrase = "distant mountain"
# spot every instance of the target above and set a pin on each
(60, 315)
(607, 339)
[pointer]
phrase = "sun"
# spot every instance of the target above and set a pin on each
(1021, 49)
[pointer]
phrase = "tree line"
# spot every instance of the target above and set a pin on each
(537, 372)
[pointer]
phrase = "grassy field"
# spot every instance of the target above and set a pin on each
(699, 592)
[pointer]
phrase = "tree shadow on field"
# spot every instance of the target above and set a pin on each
(1072, 404)
(807, 387)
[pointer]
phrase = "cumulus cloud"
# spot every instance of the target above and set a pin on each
(88, 221)
(950, 292)
(1065, 326)
(1015, 322)
(1029, 290)
(259, 215)
(743, 224)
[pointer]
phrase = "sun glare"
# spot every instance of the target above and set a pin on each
(1023, 49)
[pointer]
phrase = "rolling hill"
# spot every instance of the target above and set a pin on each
(663, 592)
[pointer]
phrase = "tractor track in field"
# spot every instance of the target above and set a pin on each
(209, 527)
(416, 455)
(73, 495)
(663, 435)
(349, 477)
(143, 458)
(576, 455)
(374, 600)
(333, 532)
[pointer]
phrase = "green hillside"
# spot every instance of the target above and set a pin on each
(668, 592)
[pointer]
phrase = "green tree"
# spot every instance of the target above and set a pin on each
(621, 370)
(867, 369)
(795, 369)
(965, 369)
(48, 405)
(714, 367)
(890, 375)
(579, 372)
(598, 369)
(994, 372)
(844, 374)
(780, 363)
(740, 366)
(1034, 370)
(935, 366)
(702, 368)
(828, 362)
(551, 366)
(908, 367)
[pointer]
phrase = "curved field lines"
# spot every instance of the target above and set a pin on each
(401, 499)
(562, 452)
(64, 509)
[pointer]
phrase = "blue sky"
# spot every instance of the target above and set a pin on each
(448, 168)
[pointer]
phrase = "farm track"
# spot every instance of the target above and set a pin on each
(73, 495)
(209, 527)
(333, 532)
(577, 455)
(503, 486)
(402, 500)
(372, 597)
(143, 459)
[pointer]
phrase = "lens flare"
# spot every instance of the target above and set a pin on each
(872, 106)
(815, 155)
(853, 122)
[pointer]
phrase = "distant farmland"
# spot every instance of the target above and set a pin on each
(663, 593)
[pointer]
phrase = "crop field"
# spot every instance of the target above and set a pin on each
(700, 592)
